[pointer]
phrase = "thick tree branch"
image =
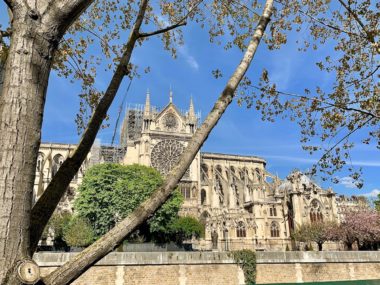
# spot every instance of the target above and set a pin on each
(62, 13)
(181, 22)
(161, 31)
(47, 203)
(10, 3)
(81, 262)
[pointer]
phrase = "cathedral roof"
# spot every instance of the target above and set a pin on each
(223, 156)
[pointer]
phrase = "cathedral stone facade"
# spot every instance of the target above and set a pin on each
(241, 204)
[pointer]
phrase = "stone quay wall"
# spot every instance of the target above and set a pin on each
(198, 268)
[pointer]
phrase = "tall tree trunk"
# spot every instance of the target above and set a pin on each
(21, 107)
(81, 262)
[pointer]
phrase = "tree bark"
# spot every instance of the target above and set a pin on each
(21, 107)
(81, 262)
(36, 31)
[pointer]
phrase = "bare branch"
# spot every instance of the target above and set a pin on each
(47, 203)
(329, 25)
(364, 78)
(333, 27)
(81, 262)
(369, 35)
(181, 22)
(99, 37)
(365, 112)
(245, 6)
(161, 31)
(5, 34)
(328, 151)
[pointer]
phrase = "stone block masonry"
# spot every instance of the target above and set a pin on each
(299, 267)
(198, 268)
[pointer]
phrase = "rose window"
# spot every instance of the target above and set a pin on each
(165, 155)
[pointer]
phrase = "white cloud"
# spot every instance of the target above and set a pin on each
(281, 73)
(183, 49)
(373, 194)
(291, 158)
(184, 52)
(347, 182)
(366, 163)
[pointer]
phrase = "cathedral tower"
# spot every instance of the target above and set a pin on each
(161, 139)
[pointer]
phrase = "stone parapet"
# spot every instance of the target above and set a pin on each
(140, 258)
(317, 257)
(198, 268)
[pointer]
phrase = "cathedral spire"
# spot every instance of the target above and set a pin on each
(191, 110)
(147, 104)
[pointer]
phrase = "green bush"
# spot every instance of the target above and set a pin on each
(78, 232)
(56, 225)
(186, 228)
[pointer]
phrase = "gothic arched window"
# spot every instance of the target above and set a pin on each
(275, 230)
(242, 174)
(57, 162)
(258, 175)
(203, 196)
(204, 172)
(185, 190)
(273, 211)
(240, 230)
(204, 217)
(316, 211)
(40, 160)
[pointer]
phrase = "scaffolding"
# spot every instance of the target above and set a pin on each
(101, 153)
(132, 124)
(112, 154)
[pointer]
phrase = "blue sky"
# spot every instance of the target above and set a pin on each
(240, 131)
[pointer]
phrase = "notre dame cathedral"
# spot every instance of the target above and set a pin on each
(241, 204)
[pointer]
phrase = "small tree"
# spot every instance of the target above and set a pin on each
(161, 225)
(318, 232)
(361, 226)
(377, 203)
(109, 192)
(187, 228)
(56, 225)
(78, 232)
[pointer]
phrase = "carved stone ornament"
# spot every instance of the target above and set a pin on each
(170, 122)
(28, 271)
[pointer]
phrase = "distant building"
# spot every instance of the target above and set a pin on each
(241, 204)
